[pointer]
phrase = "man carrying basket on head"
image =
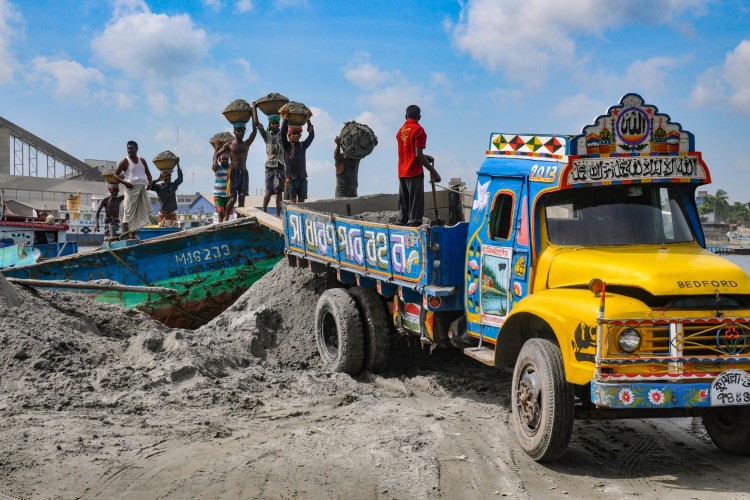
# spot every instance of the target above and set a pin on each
(167, 192)
(238, 183)
(275, 177)
(133, 173)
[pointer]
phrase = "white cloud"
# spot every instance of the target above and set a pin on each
(440, 80)
(159, 101)
(213, 4)
(362, 73)
(649, 76)
(728, 84)
(69, 78)
(122, 8)
(392, 101)
(202, 92)
(9, 19)
(519, 37)
(246, 73)
(576, 111)
(285, 4)
(737, 75)
(243, 6)
(151, 46)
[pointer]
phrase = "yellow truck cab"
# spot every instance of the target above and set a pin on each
(582, 265)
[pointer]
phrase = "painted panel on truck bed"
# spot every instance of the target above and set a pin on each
(378, 249)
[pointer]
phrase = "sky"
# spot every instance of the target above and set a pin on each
(89, 75)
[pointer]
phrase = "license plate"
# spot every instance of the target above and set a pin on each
(730, 388)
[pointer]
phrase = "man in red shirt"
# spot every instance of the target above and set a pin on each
(412, 161)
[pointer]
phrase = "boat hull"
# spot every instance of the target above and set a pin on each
(210, 267)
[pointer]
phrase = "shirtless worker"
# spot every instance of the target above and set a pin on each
(238, 183)
(111, 206)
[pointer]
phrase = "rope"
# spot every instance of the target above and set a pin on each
(125, 264)
(462, 193)
(175, 300)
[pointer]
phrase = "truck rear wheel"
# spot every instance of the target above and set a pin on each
(375, 322)
(728, 428)
(542, 401)
(338, 332)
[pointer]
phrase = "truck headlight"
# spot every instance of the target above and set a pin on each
(629, 340)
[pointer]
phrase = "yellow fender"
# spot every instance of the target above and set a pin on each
(568, 316)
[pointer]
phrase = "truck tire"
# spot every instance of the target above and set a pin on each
(376, 327)
(728, 428)
(542, 401)
(338, 332)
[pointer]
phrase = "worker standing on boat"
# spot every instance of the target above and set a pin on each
(221, 169)
(275, 176)
(133, 173)
(111, 206)
(167, 192)
(238, 184)
(295, 189)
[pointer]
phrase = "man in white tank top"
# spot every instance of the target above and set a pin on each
(133, 173)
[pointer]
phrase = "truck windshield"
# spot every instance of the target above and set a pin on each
(616, 215)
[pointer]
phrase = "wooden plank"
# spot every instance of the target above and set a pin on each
(84, 285)
(270, 221)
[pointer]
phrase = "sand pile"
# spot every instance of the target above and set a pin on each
(61, 350)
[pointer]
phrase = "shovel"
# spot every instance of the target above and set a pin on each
(437, 221)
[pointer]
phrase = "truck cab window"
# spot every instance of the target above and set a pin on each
(616, 215)
(500, 217)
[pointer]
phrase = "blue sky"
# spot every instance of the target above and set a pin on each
(89, 75)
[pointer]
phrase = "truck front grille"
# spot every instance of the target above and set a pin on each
(676, 348)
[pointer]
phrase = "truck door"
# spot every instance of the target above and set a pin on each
(504, 252)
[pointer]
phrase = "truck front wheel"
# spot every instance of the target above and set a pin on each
(338, 332)
(728, 428)
(542, 401)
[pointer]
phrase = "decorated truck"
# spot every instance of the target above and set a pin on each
(582, 264)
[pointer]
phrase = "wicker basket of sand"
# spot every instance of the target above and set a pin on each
(219, 139)
(109, 176)
(238, 112)
(357, 140)
(272, 103)
(166, 160)
(297, 113)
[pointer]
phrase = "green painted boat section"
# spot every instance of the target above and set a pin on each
(194, 287)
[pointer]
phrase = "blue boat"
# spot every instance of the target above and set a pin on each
(206, 270)
(48, 238)
(12, 254)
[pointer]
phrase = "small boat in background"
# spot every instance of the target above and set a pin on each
(46, 235)
(12, 254)
(183, 279)
(737, 238)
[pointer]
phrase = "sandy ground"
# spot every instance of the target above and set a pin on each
(100, 402)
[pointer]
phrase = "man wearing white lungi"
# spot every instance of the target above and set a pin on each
(133, 173)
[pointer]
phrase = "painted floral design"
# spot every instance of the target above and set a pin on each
(656, 397)
(626, 396)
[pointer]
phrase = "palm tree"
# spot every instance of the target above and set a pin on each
(718, 204)
(708, 206)
(722, 205)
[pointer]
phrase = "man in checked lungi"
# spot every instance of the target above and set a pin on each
(133, 173)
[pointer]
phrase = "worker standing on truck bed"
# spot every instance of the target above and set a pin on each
(412, 161)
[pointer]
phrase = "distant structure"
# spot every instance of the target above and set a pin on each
(56, 174)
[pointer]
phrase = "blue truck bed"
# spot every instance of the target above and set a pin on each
(410, 258)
